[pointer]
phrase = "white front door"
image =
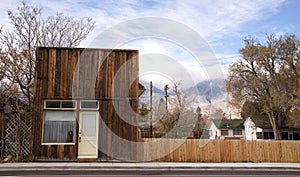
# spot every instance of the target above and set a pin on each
(88, 135)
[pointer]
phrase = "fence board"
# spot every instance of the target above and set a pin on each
(196, 150)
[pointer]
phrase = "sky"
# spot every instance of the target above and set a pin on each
(218, 29)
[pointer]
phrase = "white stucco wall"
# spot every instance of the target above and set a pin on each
(213, 131)
(231, 135)
(250, 129)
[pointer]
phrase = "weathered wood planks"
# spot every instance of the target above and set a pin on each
(84, 74)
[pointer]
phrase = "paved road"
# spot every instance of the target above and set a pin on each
(153, 172)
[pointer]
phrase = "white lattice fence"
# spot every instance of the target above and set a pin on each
(17, 138)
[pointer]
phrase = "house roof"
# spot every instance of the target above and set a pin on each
(141, 89)
(229, 123)
(144, 127)
(262, 122)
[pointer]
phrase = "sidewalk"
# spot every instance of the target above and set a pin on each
(38, 166)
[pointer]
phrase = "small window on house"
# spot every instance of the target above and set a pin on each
(52, 104)
(266, 135)
(284, 135)
(67, 104)
(89, 105)
(259, 135)
(59, 124)
(271, 135)
(224, 132)
(237, 132)
(58, 104)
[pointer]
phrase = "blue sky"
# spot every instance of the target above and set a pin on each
(222, 24)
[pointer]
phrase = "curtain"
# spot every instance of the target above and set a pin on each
(59, 127)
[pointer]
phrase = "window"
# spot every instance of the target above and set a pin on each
(89, 105)
(237, 132)
(59, 125)
(268, 135)
(284, 135)
(224, 132)
(259, 135)
(60, 104)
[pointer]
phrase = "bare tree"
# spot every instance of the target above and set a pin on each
(178, 117)
(267, 74)
(29, 30)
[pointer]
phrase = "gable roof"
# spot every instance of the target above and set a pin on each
(229, 123)
(141, 89)
(261, 122)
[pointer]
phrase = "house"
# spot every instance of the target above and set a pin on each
(85, 104)
(248, 129)
(144, 131)
(224, 129)
(260, 128)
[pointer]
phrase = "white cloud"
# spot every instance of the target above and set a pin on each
(213, 20)
(210, 18)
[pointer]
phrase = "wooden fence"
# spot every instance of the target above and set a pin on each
(196, 150)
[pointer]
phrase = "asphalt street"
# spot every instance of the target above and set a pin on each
(146, 172)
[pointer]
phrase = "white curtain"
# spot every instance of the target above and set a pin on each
(59, 126)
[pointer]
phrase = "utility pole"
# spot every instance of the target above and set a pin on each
(151, 128)
(166, 93)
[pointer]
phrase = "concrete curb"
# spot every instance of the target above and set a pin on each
(149, 166)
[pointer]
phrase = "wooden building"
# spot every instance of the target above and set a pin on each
(80, 100)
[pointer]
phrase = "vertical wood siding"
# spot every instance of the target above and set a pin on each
(61, 74)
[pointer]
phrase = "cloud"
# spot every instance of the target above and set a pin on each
(214, 21)
(211, 19)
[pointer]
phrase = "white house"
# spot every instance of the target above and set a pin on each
(224, 129)
(251, 131)
(260, 128)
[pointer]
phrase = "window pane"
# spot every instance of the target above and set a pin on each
(89, 124)
(237, 132)
(52, 104)
(60, 115)
(259, 135)
(68, 104)
(59, 127)
(89, 105)
(224, 132)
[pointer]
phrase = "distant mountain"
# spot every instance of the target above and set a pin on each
(208, 95)
(203, 92)
(157, 93)
(154, 89)
(210, 90)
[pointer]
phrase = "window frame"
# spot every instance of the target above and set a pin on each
(45, 109)
(259, 135)
(238, 130)
(223, 130)
(60, 108)
(88, 109)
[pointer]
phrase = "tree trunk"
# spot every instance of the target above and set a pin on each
(273, 117)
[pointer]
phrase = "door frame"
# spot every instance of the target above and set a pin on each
(95, 154)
